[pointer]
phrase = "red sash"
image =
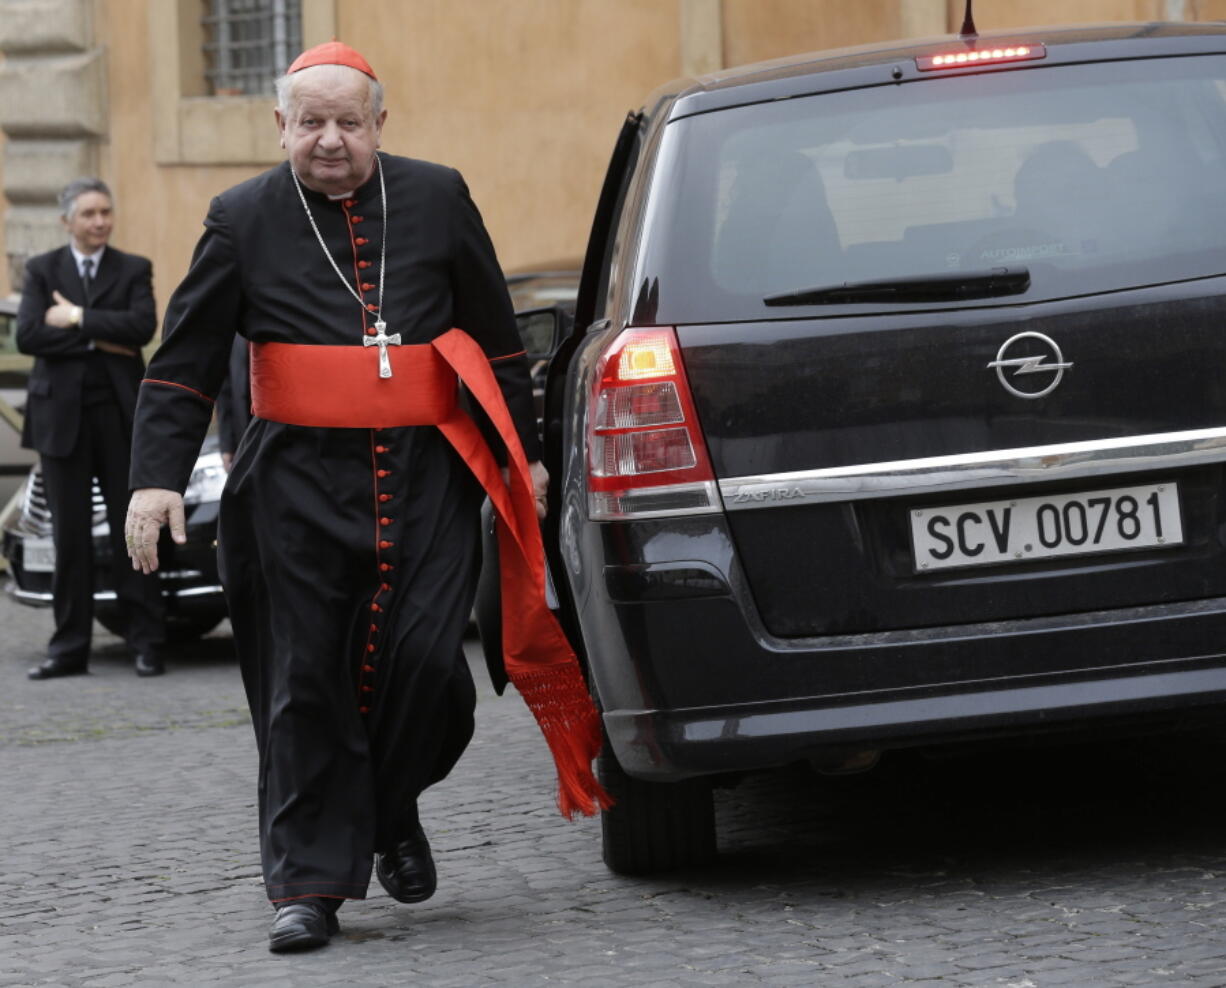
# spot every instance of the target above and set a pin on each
(339, 387)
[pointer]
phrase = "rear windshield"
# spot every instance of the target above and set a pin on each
(1095, 177)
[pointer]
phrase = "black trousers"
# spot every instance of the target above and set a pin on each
(102, 451)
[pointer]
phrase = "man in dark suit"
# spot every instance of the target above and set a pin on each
(86, 310)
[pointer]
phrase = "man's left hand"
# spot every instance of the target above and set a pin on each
(62, 315)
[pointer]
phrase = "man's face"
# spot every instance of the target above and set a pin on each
(330, 133)
(90, 222)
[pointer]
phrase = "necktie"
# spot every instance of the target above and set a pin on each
(87, 280)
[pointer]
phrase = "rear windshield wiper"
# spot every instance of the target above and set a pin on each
(942, 286)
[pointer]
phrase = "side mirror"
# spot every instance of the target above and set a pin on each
(540, 330)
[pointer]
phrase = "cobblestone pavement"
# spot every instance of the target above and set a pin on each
(129, 858)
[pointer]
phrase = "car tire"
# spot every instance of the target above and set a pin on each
(179, 628)
(654, 826)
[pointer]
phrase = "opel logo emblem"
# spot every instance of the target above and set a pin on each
(1037, 354)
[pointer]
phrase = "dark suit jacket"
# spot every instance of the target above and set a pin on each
(121, 311)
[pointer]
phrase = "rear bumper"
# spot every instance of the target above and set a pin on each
(691, 683)
(670, 745)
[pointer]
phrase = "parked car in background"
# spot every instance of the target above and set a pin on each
(194, 601)
(892, 415)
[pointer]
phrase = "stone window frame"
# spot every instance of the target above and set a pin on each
(191, 128)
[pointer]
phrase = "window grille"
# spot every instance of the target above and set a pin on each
(248, 43)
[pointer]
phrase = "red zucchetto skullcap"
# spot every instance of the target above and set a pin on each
(332, 53)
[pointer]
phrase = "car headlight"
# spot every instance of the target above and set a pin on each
(207, 480)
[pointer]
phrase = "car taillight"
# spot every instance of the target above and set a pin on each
(646, 455)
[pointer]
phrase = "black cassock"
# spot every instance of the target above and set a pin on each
(348, 555)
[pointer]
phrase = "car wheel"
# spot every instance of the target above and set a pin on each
(654, 826)
(179, 628)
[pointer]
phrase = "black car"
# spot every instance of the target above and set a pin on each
(194, 600)
(893, 416)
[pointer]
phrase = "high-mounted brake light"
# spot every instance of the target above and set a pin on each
(646, 454)
(981, 56)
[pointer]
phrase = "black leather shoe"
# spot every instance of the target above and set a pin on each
(407, 872)
(53, 668)
(149, 664)
(301, 926)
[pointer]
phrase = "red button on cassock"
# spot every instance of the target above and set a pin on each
(374, 628)
(385, 521)
(371, 331)
(367, 286)
(380, 449)
(376, 608)
(387, 586)
(385, 497)
(364, 264)
(368, 689)
(371, 307)
(363, 710)
(383, 473)
(361, 241)
(356, 219)
(384, 544)
(350, 203)
(368, 668)
(385, 566)
(370, 648)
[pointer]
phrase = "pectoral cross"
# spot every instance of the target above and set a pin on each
(382, 341)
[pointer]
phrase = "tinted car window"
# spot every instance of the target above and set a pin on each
(1095, 177)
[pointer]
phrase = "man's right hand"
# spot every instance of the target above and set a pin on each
(150, 509)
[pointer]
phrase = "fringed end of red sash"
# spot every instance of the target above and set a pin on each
(559, 700)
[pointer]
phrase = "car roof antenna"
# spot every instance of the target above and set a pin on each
(968, 32)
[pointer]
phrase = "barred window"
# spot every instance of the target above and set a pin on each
(248, 43)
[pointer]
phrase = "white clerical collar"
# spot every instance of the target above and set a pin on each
(95, 257)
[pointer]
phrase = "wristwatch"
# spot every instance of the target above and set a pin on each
(77, 314)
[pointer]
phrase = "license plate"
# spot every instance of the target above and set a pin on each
(38, 556)
(1021, 529)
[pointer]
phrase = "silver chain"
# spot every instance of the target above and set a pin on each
(328, 253)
